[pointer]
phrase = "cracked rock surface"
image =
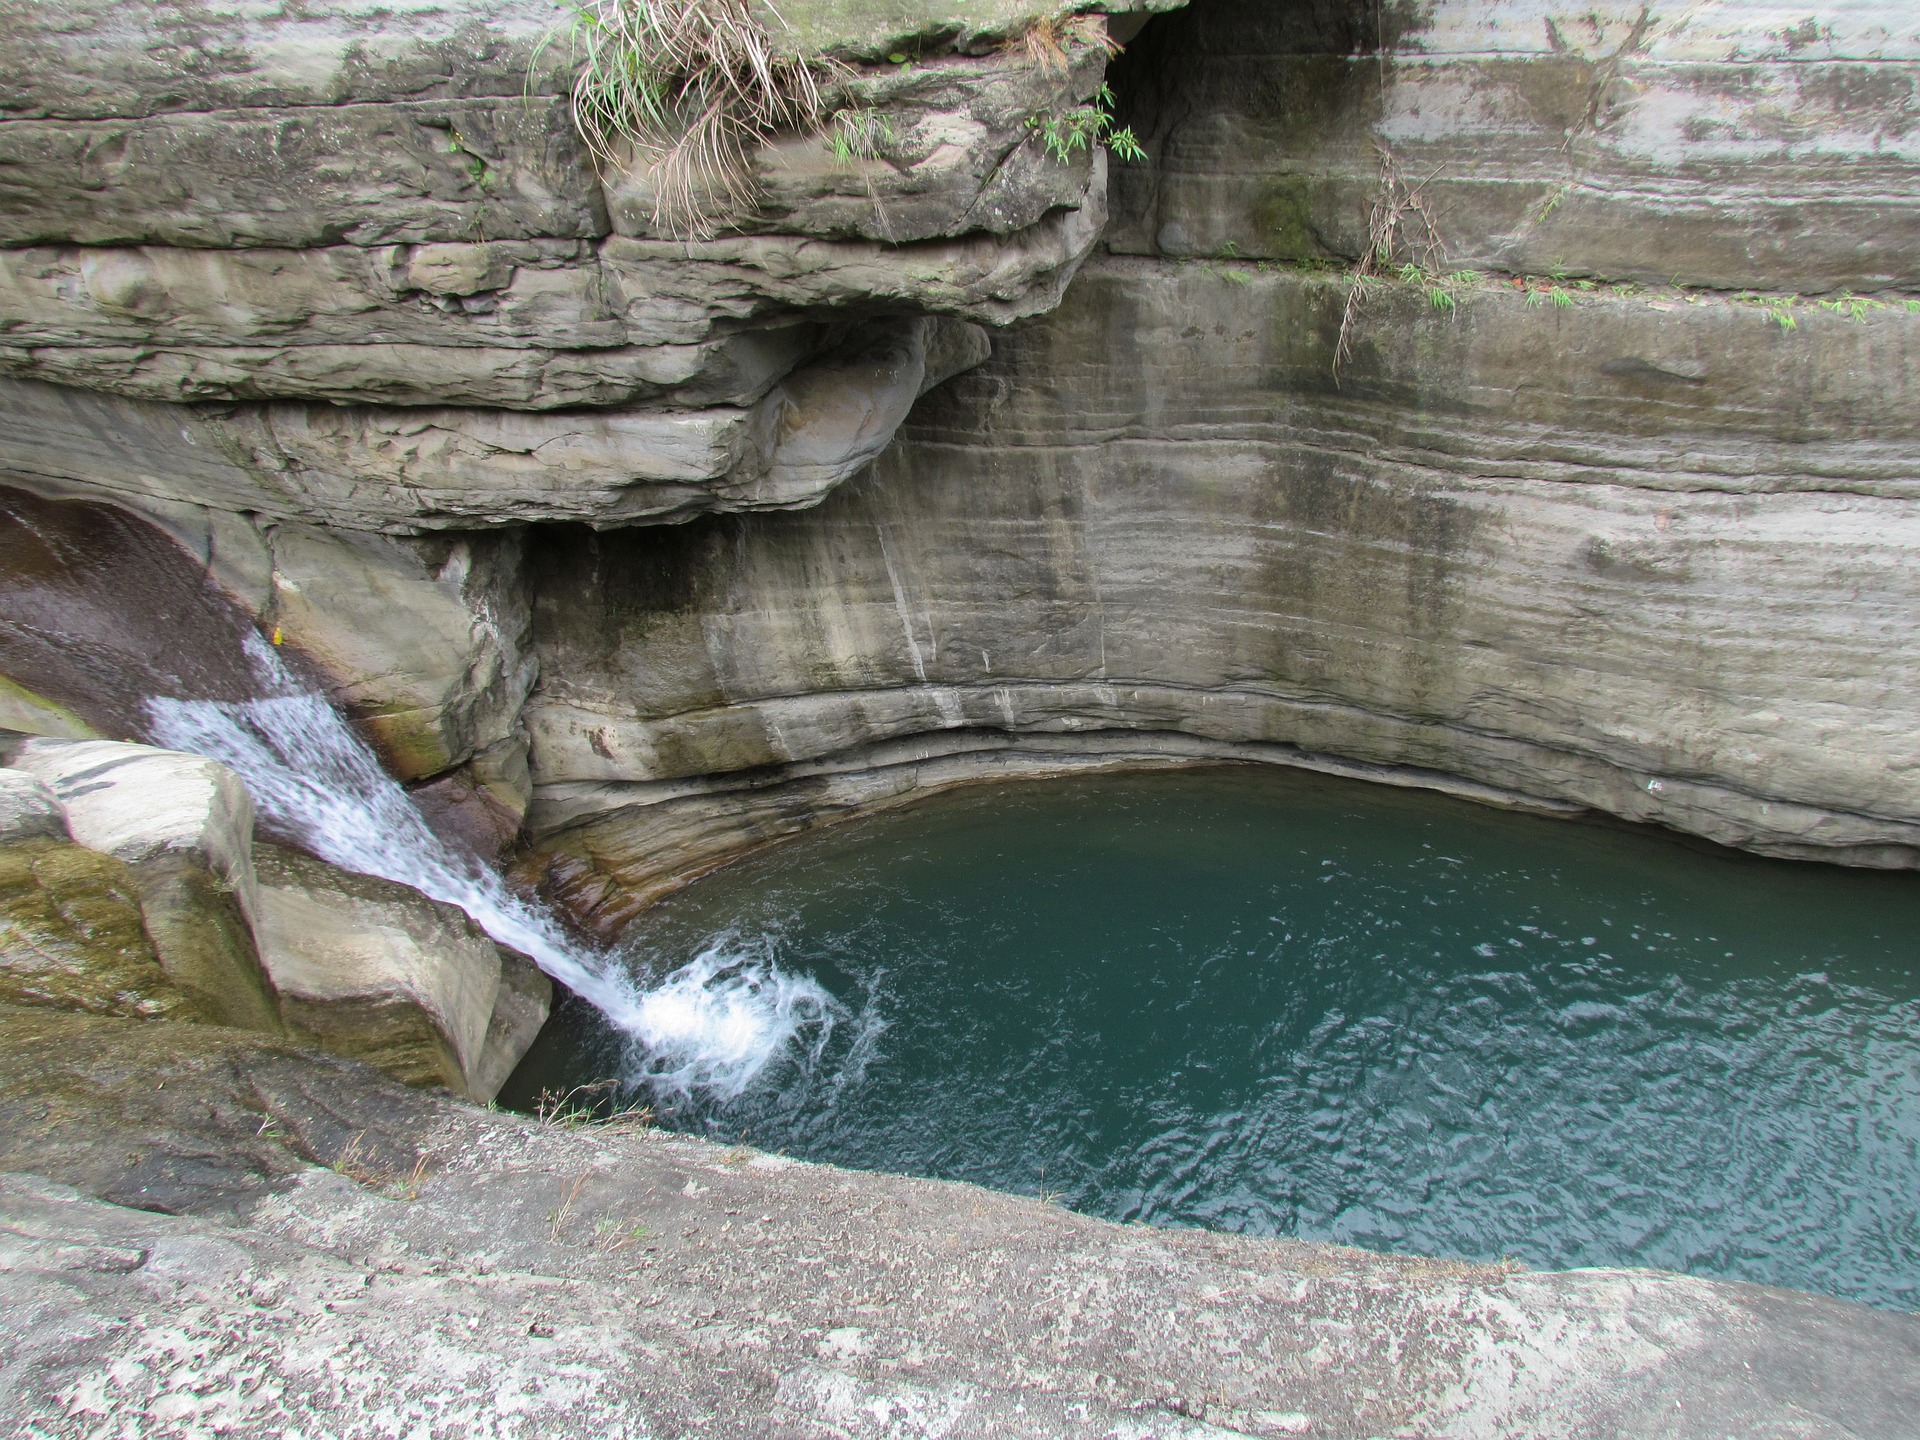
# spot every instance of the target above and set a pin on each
(456, 1267)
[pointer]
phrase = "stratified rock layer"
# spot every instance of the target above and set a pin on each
(388, 209)
(1598, 556)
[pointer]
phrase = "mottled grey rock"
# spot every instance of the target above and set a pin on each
(458, 1267)
(378, 972)
(426, 642)
(953, 154)
(734, 370)
(481, 169)
(673, 291)
(435, 468)
(549, 294)
(553, 295)
(94, 59)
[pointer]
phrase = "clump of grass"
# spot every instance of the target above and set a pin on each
(357, 1165)
(591, 1105)
(857, 133)
(1049, 41)
(694, 86)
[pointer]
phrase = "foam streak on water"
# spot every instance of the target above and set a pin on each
(714, 1025)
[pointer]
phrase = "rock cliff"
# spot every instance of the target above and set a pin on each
(1515, 398)
(1555, 508)
(1578, 520)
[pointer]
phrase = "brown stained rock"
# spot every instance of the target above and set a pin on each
(72, 937)
(183, 828)
(456, 1265)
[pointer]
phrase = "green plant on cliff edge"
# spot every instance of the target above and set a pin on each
(1064, 133)
(693, 86)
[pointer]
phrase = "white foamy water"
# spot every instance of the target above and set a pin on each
(715, 1025)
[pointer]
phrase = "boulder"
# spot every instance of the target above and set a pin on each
(183, 829)
(373, 970)
(72, 936)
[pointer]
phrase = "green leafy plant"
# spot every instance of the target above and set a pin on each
(1778, 308)
(859, 134)
(1063, 134)
(1854, 307)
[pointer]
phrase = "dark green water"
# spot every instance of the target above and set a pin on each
(1273, 1003)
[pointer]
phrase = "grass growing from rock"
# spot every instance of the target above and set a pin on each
(694, 86)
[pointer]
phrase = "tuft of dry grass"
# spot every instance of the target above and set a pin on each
(1401, 227)
(360, 1167)
(588, 1106)
(1049, 41)
(694, 87)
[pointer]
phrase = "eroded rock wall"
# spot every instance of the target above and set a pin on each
(1570, 520)
(1640, 548)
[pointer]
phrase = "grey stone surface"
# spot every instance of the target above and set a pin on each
(455, 1267)
(552, 295)
(426, 642)
(100, 59)
(438, 468)
(481, 169)
(394, 212)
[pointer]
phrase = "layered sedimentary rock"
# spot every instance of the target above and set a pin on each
(367, 968)
(1730, 145)
(390, 208)
(1643, 549)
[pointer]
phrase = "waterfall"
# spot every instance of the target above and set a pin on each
(710, 1026)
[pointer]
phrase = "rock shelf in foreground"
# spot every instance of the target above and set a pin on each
(460, 1268)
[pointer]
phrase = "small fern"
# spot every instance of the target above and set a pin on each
(1063, 134)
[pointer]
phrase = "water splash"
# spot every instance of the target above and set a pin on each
(714, 1025)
